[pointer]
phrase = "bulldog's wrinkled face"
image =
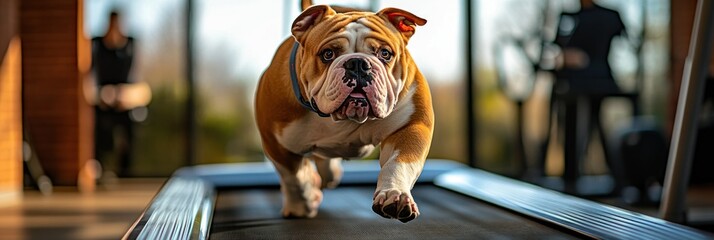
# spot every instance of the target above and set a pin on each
(357, 81)
(351, 65)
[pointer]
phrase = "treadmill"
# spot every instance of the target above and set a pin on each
(243, 201)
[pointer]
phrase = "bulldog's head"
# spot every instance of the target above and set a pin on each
(353, 64)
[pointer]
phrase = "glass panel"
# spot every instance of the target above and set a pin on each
(235, 42)
(158, 29)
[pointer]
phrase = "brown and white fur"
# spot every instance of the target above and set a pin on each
(393, 108)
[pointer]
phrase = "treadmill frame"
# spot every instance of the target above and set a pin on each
(183, 208)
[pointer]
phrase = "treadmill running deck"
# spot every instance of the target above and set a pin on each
(346, 213)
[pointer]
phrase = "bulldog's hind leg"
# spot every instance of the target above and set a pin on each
(300, 186)
(330, 170)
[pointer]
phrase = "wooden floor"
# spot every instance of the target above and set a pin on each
(68, 214)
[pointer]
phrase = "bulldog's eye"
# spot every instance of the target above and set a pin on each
(327, 55)
(385, 54)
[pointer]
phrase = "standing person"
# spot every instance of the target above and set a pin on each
(583, 79)
(115, 95)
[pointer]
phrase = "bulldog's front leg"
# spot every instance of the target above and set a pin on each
(300, 186)
(402, 160)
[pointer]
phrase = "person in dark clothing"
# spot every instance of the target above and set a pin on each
(583, 80)
(112, 61)
(585, 38)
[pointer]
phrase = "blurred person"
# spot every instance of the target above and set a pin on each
(585, 38)
(115, 93)
(584, 78)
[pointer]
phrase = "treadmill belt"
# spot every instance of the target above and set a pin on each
(346, 213)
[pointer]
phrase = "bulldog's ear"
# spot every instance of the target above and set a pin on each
(404, 21)
(309, 18)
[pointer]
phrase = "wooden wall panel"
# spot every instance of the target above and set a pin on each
(8, 24)
(10, 105)
(55, 112)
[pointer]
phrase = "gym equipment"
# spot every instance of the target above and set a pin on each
(456, 201)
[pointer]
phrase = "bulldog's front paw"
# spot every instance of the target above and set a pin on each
(393, 203)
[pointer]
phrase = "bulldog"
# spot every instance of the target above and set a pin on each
(341, 85)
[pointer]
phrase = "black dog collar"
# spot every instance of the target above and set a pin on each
(312, 106)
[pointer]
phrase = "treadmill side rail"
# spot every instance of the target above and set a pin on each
(183, 209)
(583, 216)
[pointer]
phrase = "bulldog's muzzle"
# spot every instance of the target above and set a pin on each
(357, 87)
(357, 76)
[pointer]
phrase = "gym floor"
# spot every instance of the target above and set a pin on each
(68, 214)
(109, 212)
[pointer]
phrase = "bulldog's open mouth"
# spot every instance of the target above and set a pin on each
(356, 107)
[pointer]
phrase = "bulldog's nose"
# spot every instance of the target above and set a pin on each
(357, 65)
